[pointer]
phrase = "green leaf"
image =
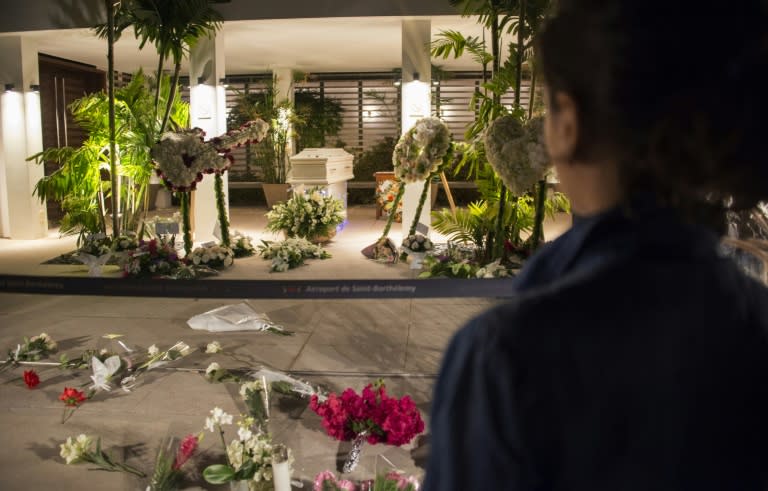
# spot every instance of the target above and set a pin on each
(218, 474)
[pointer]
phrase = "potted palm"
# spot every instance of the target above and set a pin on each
(275, 172)
(310, 119)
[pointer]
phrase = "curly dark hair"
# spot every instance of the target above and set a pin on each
(674, 91)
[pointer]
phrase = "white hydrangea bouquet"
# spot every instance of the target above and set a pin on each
(214, 256)
(417, 243)
(517, 152)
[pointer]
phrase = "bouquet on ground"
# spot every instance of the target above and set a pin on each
(249, 457)
(242, 245)
(392, 481)
(31, 349)
(211, 255)
(94, 251)
(417, 243)
(371, 416)
(290, 253)
(171, 457)
(167, 474)
(80, 449)
(152, 258)
(312, 215)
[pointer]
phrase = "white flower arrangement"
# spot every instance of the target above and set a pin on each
(421, 149)
(242, 246)
(493, 270)
(211, 370)
(417, 243)
(250, 386)
(214, 256)
(96, 245)
(213, 347)
(48, 344)
(256, 447)
(125, 242)
(182, 157)
(217, 418)
(290, 253)
(251, 131)
(517, 152)
(74, 449)
(309, 214)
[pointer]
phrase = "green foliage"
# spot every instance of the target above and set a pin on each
(173, 27)
(377, 158)
(314, 118)
(78, 182)
(435, 267)
(218, 474)
(319, 117)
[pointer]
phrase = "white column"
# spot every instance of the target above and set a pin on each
(416, 103)
(22, 215)
(207, 111)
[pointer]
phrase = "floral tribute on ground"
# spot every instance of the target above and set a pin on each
(371, 416)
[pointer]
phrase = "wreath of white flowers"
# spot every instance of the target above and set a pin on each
(421, 149)
(517, 152)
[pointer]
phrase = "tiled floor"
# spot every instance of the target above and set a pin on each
(337, 343)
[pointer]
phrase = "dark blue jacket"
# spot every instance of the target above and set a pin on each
(634, 358)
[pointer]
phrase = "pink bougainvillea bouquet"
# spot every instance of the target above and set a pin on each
(373, 414)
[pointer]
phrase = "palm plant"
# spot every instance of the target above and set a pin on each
(173, 27)
(501, 17)
(78, 183)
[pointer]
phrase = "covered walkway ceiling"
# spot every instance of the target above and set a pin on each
(338, 44)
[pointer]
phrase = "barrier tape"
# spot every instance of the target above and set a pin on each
(261, 289)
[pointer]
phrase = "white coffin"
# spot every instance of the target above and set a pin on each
(318, 166)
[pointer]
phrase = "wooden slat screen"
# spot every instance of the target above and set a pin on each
(371, 109)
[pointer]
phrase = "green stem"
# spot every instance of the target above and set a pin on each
(497, 246)
(218, 186)
(171, 97)
(186, 224)
(224, 443)
(520, 53)
(392, 214)
(160, 60)
(111, 102)
(422, 200)
(538, 221)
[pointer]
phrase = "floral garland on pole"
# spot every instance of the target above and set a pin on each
(517, 153)
(253, 131)
(418, 156)
(182, 157)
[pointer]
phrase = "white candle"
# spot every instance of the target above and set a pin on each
(281, 474)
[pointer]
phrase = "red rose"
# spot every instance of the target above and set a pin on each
(31, 378)
(72, 397)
